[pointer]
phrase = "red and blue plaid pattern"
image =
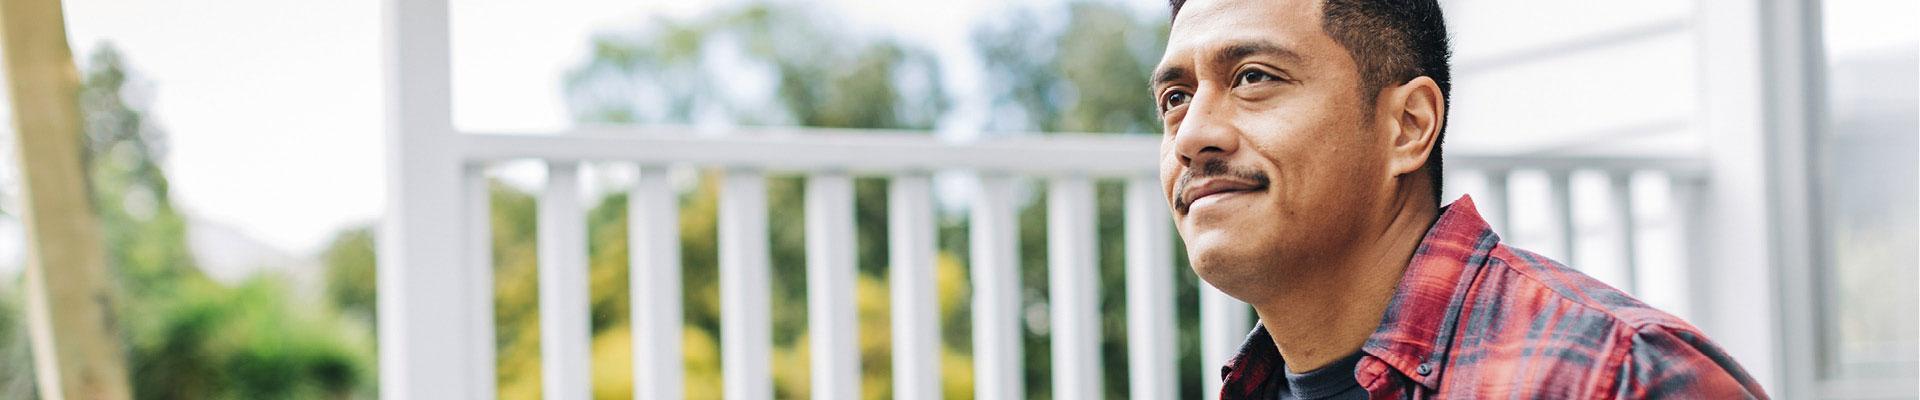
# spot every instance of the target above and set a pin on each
(1474, 318)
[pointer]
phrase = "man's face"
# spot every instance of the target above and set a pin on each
(1268, 159)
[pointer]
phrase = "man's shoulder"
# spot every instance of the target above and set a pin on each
(1515, 273)
(1532, 319)
(1542, 297)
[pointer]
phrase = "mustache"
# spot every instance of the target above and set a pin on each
(1213, 168)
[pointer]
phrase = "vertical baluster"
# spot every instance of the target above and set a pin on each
(830, 287)
(745, 326)
(995, 235)
(653, 226)
(1223, 326)
(479, 257)
(916, 309)
(1073, 285)
(563, 285)
(1622, 196)
(1501, 209)
(1689, 211)
(1150, 322)
(1558, 182)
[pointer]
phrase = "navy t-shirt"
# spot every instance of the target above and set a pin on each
(1330, 382)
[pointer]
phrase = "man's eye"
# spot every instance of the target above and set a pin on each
(1253, 76)
(1174, 98)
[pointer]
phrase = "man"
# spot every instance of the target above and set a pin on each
(1302, 163)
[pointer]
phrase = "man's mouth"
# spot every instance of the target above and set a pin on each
(1215, 188)
(1214, 178)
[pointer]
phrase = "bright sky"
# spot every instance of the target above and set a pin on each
(274, 106)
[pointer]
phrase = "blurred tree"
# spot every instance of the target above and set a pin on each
(719, 69)
(16, 358)
(190, 337)
(146, 237)
(349, 261)
(1087, 73)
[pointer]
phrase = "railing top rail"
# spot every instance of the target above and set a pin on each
(882, 151)
(815, 149)
(1677, 165)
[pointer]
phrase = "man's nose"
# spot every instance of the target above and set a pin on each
(1206, 132)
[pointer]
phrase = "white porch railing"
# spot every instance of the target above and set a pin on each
(830, 158)
(435, 282)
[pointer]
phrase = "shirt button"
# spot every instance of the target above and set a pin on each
(1424, 369)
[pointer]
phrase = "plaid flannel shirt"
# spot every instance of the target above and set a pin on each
(1475, 318)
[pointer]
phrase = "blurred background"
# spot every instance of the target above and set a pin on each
(236, 155)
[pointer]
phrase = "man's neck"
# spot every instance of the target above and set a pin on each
(1326, 312)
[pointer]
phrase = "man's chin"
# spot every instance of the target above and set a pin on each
(1233, 280)
(1216, 262)
(1214, 238)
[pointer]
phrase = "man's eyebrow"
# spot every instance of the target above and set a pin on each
(1235, 51)
(1230, 53)
(1165, 75)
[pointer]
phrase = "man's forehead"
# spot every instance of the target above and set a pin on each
(1207, 26)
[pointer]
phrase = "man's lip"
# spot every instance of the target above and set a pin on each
(1215, 186)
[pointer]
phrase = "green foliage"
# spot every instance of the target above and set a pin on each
(187, 336)
(145, 236)
(247, 342)
(349, 261)
(516, 285)
(16, 357)
(1088, 75)
(685, 71)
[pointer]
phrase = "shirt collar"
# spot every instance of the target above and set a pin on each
(1418, 327)
(1252, 367)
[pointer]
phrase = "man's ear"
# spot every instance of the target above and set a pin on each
(1417, 110)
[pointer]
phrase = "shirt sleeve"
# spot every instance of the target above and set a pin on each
(1668, 363)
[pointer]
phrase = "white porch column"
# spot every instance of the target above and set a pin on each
(1760, 63)
(426, 305)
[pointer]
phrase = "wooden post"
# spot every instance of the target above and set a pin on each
(76, 350)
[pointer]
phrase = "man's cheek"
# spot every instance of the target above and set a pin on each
(1169, 175)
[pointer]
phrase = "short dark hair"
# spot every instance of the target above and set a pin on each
(1393, 41)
